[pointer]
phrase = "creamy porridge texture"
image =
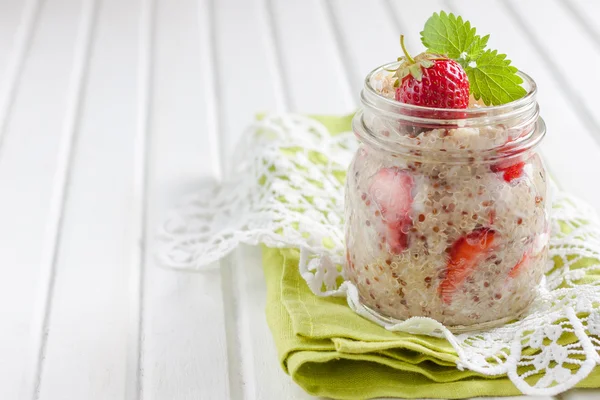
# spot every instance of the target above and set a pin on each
(447, 211)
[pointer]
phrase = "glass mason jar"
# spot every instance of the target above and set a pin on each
(446, 210)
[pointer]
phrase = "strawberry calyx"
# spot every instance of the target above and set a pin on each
(410, 66)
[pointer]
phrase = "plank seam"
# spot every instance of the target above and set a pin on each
(348, 71)
(390, 7)
(273, 44)
(246, 351)
(59, 197)
(214, 122)
(581, 21)
(449, 5)
(134, 387)
(22, 44)
(237, 369)
(575, 101)
(213, 98)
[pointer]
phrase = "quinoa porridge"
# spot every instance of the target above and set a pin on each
(445, 220)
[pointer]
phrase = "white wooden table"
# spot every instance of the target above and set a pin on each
(110, 110)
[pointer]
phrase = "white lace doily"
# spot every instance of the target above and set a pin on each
(287, 191)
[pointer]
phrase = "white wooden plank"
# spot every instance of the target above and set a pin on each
(411, 23)
(313, 72)
(262, 372)
(321, 66)
(373, 44)
(380, 23)
(581, 394)
(11, 24)
(92, 283)
(569, 148)
(214, 135)
(28, 165)
(274, 56)
(581, 89)
(184, 346)
(58, 200)
(242, 32)
(585, 13)
(349, 71)
(145, 61)
(246, 63)
(258, 369)
(516, 398)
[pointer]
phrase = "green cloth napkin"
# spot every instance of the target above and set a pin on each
(330, 351)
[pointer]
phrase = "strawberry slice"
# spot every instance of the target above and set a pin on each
(391, 191)
(465, 254)
(511, 172)
(397, 236)
(518, 266)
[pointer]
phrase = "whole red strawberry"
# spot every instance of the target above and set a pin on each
(430, 80)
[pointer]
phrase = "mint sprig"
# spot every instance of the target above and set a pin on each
(494, 79)
(491, 77)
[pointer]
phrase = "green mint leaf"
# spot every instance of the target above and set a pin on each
(491, 77)
(479, 44)
(451, 36)
(494, 80)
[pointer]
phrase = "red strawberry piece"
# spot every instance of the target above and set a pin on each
(465, 254)
(431, 80)
(391, 190)
(516, 270)
(397, 236)
(511, 172)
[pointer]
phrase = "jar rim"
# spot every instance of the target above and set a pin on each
(520, 116)
(461, 113)
(506, 151)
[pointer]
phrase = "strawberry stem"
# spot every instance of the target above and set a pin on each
(408, 57)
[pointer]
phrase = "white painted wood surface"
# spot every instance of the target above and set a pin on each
(110, 110)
